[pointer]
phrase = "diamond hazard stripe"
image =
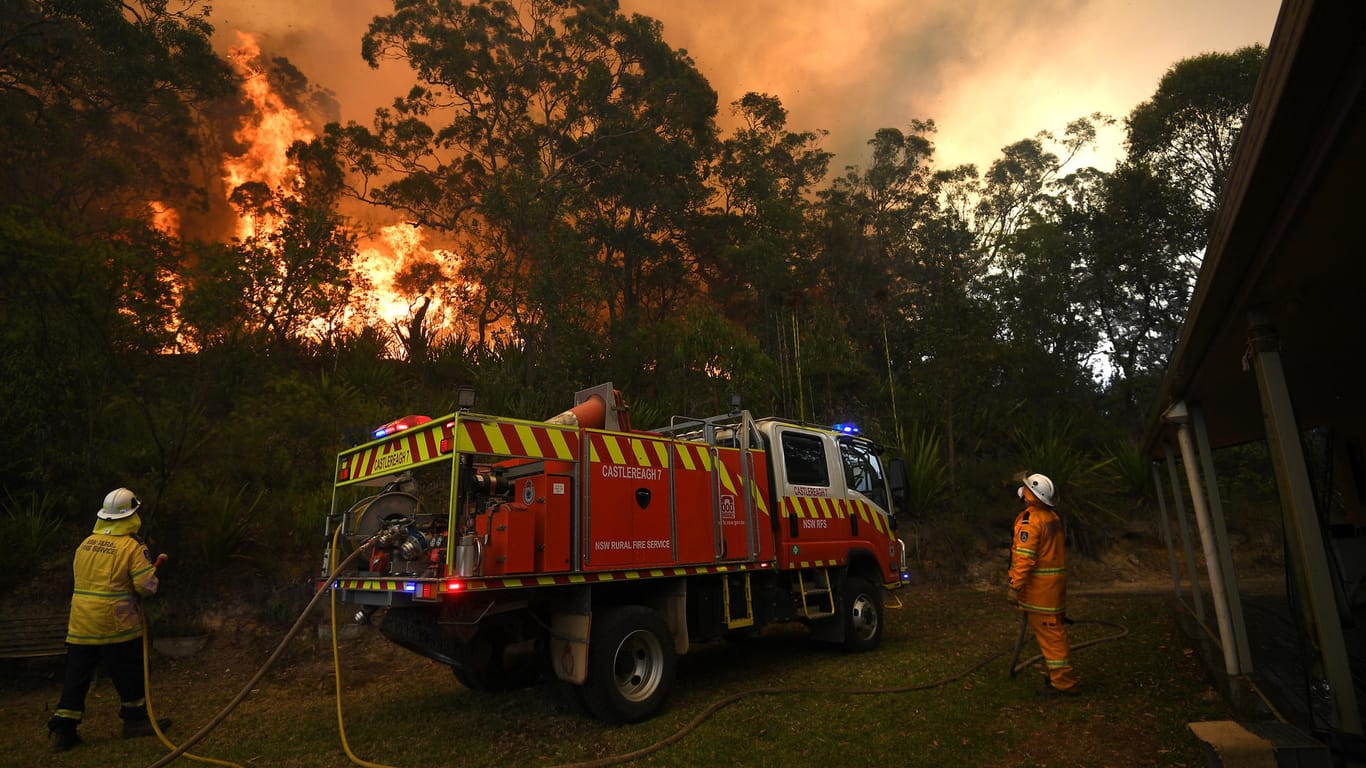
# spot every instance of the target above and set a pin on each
(693, 456)
(507, 438)
(411, 448)
(456, 585)
(635, 452)
(513, 582)
(812, 507)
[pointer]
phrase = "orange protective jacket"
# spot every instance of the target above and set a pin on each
(1038, 563)
(112, 570)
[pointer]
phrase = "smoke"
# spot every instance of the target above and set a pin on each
(988, 72)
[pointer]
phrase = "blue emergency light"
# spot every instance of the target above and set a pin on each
(847, 428)
(400, 424)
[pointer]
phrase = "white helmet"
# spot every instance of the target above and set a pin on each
(118, 504)
(1041, 487)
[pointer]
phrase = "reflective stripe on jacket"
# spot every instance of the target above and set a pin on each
(1038, 566)
(111, 572)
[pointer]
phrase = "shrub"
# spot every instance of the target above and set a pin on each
(28, 525)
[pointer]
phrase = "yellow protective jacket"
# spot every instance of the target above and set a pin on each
(1038, 563)
(112, 570)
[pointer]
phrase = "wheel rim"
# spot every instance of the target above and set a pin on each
(638, 666)
(864, 616)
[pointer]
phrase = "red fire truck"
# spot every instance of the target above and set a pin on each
(583, 549)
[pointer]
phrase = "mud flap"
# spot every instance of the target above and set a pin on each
(569, 646)
(675, 611)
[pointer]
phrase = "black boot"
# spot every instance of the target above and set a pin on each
(61, 733)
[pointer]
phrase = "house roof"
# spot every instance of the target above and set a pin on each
(1288, 240)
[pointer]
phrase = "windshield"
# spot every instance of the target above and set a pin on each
(863, 471)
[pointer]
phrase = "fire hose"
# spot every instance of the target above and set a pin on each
(1016, 665)
(692, 725)
(721, 704)
(182, 750)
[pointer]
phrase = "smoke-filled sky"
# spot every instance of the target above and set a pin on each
(988, 72)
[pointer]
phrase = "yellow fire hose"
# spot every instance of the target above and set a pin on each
(183, 749)
(626, 757)
(1016, 666)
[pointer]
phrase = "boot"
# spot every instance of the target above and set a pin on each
(1051, 692)
(63, 736)
(133, 729)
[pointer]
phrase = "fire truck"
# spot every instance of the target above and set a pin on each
(585, 551)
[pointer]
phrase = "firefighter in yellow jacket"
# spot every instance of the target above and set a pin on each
(1038, 580)
(112, 573)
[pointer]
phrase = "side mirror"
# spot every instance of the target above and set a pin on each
(899, 479)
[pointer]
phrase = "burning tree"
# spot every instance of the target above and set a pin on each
(561, 144)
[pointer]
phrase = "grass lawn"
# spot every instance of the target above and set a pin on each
(404, 711)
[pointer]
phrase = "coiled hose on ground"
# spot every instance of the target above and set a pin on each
(177, 752)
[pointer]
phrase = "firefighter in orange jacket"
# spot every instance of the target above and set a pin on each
(112, 572)
(1038, 580)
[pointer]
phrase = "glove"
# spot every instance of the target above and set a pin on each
(1012, 596)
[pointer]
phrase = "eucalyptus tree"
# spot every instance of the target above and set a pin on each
(1188, 130)
(561, 143)
(1142, 259)
(278, 286)
(1027, 175)
(99, 119)
(945, 351)
(868, 237)
(756, 232)
(98, 105)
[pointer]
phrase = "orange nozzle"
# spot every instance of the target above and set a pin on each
(590, 414)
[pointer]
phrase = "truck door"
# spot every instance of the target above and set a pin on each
(810, 489)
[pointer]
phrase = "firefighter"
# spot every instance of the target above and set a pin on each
(1038, 581)
(112, 572)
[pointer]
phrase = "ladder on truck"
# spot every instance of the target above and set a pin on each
(743, 603)
(818, 599)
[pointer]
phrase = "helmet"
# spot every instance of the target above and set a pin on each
(1041, 487)
(118, 504)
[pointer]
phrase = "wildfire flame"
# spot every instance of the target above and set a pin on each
(165, 218)
(381, 257)
(268, 132)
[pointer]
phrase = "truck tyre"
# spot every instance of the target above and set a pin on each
(862, 615)
(631, 664)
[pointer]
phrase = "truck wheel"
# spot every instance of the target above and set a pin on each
(862, 615)
(631, 664)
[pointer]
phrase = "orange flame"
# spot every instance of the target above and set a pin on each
(165, 219)
(382, 258)
(267, 133)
